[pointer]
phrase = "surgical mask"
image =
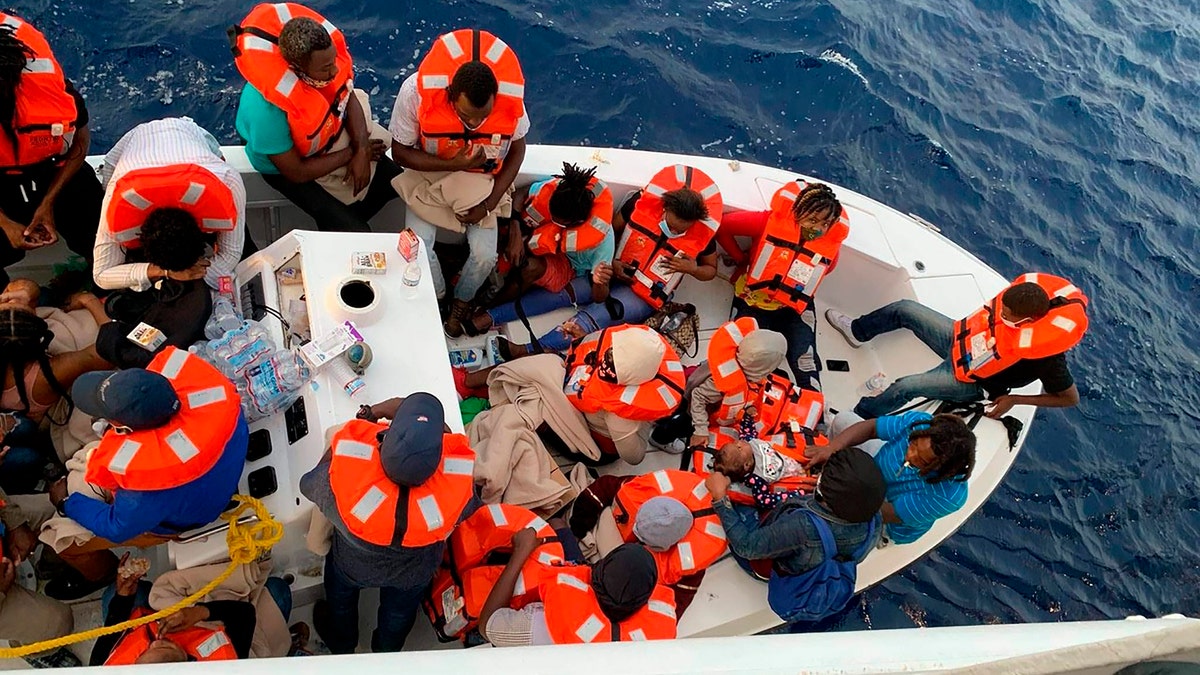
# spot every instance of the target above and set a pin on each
(1013, 324)
(667, 231)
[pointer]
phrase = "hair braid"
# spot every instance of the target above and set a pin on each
(953, 445)
(817, 200)
(24, 339)
(572, 200)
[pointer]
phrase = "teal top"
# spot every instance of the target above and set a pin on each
(918, 504)
(264, 127)
(583, 262)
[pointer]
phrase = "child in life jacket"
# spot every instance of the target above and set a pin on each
(758, 465)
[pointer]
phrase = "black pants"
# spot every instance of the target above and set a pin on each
(76, 211)
(330, 213)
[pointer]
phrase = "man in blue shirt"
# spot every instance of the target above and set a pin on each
(926, 461)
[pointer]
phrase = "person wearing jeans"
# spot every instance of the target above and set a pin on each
(338, 624)
(936, 331)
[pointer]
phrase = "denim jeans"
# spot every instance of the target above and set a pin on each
(23, 465)
(800, 332)
(934, 329)
(397, 613)
(592, 316)
(329, 212)
(481, 241)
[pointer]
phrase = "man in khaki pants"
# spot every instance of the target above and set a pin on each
(25, 616)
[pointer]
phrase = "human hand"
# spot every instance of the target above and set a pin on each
(80, 300)
(622, 271)
(603, 274)
(42, 228)
(58, 492)
(15, 232)
(20, 542)
(358, 171)
(378, 149)
(1001, 405)
(682, 263)
(475, 214)
(717, 483)
(524, 542)
(183, 619)
(816, 455)
(572, 329)
(193, 273)
(515, 252)
(8, 575)
(129, 573)
(697, 439)
(468, 157)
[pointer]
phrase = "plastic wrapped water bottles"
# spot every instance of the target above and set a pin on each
(274, 383)
(224, 318)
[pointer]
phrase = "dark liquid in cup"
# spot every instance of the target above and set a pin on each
(357, 294)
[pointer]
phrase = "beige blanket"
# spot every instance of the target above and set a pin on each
(533, 385)
(513, 466)
(60, 532)
(271, 636)
(335, 182)
(72, 330)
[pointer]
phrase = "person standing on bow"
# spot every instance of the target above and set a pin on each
(459, 127)
(393, 494)
(308, 131)
(45, 189)
(796, 245)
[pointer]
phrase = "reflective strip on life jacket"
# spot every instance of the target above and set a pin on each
(550, 238)
(44, 114)
(189, 187)
(648, 402)
(573, 613)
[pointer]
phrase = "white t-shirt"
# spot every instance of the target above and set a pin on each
(519, 627)
(176, 140)
(770, 465)
(405, 127)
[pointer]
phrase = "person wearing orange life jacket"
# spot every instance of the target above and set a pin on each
(622, 379)
(663, 233)
(619, 599)
(459, 127)
(670, 512)
(568, 223)
(44, 139)
(1020, 336)
(308, 131)
(169, 192)
(796, 245)
(26, 616)
(393, 494)
(172, 459)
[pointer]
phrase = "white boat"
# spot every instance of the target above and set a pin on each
(888, 256)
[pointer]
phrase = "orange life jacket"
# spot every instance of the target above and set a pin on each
(783, 264)
(315, 116)
(179, 186)
(202, 644)
(786, 408)
(442, 132)
(550, 238)
(646, 402)
(573, 613)
(369, 502)
(644, 245)
(984, 345)
(45, 114)
(489, 532)
(793, 447)
(184, 448)
(737, 393)
(700, 547)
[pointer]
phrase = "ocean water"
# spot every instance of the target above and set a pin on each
(1053, 135)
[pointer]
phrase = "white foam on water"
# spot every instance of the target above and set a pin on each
(831, 56)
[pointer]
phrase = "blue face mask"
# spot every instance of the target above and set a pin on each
(667, 231)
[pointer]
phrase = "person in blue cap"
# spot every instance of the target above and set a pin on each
(393, 494)
(171, 460)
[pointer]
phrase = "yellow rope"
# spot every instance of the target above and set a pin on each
(246, 543)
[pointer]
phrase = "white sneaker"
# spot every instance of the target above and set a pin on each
(675, 447)
(841, 323)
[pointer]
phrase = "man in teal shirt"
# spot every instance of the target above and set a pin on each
(312, 55)
(926, 461)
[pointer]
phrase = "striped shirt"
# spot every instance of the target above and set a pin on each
(917, 503)
(176, 140)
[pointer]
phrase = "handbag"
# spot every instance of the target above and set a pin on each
(682, 334)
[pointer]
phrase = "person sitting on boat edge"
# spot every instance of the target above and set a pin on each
(1021, 335)
(847, 498)
(562, 240)
(669, 512)
(622, 379)
(796, 245)
(169, 462)
(618, 599)
(168, 193)
(664, 232)
(925, 459)
(379, 541)
(726, 386)
(46, 188)
(458, 127)
(308, 131)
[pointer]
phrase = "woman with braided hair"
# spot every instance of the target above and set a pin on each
(33, 380)
(44, 140)
(796, 245)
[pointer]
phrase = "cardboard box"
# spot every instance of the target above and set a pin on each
(328, 347)
(368, 262)
(409, 245)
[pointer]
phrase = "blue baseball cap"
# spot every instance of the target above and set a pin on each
(411, 450)
(134, 398)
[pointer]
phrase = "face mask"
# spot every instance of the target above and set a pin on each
(1013, 324)
(667, 231)
(318, 84)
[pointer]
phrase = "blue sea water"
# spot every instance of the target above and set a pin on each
(1054, 135)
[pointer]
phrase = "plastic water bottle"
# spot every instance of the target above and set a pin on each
(876, 384)
(224, 318)
(412, 279)
(673, 322)
(345, 377)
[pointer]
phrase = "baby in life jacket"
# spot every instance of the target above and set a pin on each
(758, 465)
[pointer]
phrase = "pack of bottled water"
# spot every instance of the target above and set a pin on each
(268, 378)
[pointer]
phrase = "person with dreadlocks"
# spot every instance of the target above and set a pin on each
(459, 127)
(925, 459)
(44, 141)
(562, 240)
(308, 131)
(34, 381)
(796, 245)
